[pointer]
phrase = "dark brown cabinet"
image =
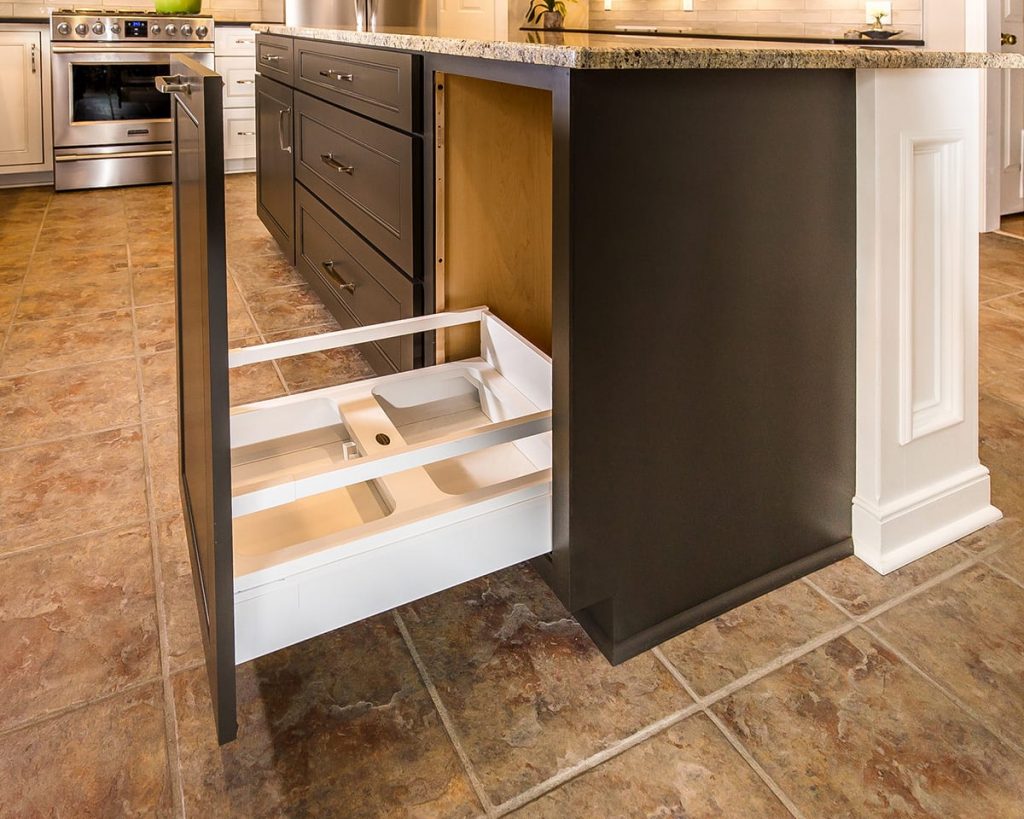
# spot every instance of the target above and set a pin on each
(339, 179)
(275, 189)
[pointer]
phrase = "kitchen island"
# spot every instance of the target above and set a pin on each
(755, 269)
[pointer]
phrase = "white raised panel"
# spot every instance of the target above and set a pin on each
(932, 262)
(239, 75)
(21, 98)
(239, 133)
(234, 41)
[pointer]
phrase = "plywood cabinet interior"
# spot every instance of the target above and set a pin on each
(494, 207)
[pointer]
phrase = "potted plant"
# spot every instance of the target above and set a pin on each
(549, 13)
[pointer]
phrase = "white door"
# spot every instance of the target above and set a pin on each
(473, 19)
(21, 98)
(1012, 137)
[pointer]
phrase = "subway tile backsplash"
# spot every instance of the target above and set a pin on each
(800, 17)
(224, 10)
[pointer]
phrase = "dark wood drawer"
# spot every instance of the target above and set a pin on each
(275, 57)
(348, 272)
(364, 171)
(378, 84)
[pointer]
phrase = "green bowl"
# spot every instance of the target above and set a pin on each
(178, 6)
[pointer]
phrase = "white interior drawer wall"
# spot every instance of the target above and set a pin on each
(239, 133)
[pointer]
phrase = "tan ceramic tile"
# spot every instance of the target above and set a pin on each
(1000, 329)
(995, 289)
(85, 234)
(1001, 423)
(256, 273)
(322, 369)
(258, 244)
(992, 536)
(60, 264)
(1008, 386)
(153, 285)
(9, 295)
(690, 770)
(858, 588)
(71, 487)
(159, 385)
(181, 617)
(58, 343)
(155, 327)
(78, 620)
(850, 730)
(749, 637)
(995, 362)
(968, 633)
(1008, 494)
(12, 273)
(59, 403)
(336, 726)
(528, 691)
(107, 759)
(1001, 258)
(285, 308)
(1010, 557)
(54, 298)
(158, 253)
(254, 382)
(162, 456)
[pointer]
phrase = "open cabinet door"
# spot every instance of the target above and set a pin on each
(203, 403)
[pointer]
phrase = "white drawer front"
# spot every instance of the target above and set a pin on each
(239, 133)
(239, 75)
(234, 41)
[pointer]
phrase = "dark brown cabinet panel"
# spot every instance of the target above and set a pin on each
(358, 284)
(275, 198)
(365, 172)
(274, 57)
(377, 84)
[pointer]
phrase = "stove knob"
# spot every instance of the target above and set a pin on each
(81, 29)
(170, 29)
(186, 30)
(63, 29)
(98, 28)
(201, 32)
(115, 28)
(154, 29)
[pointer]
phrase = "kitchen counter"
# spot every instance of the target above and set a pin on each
(613, 51)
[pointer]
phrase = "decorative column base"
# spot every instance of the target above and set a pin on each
(920, 484)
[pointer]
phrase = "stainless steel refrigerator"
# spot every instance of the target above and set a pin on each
(362, 14)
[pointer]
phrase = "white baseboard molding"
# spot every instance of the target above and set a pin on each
(891, 537)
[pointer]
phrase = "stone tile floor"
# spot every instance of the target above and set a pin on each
(843, 694)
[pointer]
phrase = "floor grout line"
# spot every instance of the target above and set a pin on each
(1001, 571)
(50, 441)
(62, 541)
(78, 706)
(446, 719)
(8, 331)
(170, 711)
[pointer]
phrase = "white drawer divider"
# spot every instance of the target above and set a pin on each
(377, 466)
(357, 335)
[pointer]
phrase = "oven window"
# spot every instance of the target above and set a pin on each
(103, 93)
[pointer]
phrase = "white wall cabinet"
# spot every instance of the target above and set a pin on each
(235, 59)
(23, 101)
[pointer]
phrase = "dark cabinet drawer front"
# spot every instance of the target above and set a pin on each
(377, 84)
(275, 58)
(358, 278)
(364, 171)
(275, 173)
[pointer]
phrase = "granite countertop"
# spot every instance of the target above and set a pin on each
(578, 50)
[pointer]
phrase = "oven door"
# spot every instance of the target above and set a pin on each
(104, 97)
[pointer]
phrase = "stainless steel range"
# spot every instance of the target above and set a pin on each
(110, 124)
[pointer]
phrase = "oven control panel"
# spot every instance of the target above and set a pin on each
(82, 26)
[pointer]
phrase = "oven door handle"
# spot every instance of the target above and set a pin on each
(133, 52)
(118, 155)
(172, 85)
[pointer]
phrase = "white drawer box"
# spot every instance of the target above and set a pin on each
(234, 41)
(351, 500)
(239, 75)
(239, 133)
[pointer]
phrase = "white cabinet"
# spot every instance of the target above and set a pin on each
(22, 143)
(235, 60)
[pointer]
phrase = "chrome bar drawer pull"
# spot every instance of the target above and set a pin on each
(337, 75)
(245, 133)
(329, 160)
(245, 82)
(328, 266)
(271, 58)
